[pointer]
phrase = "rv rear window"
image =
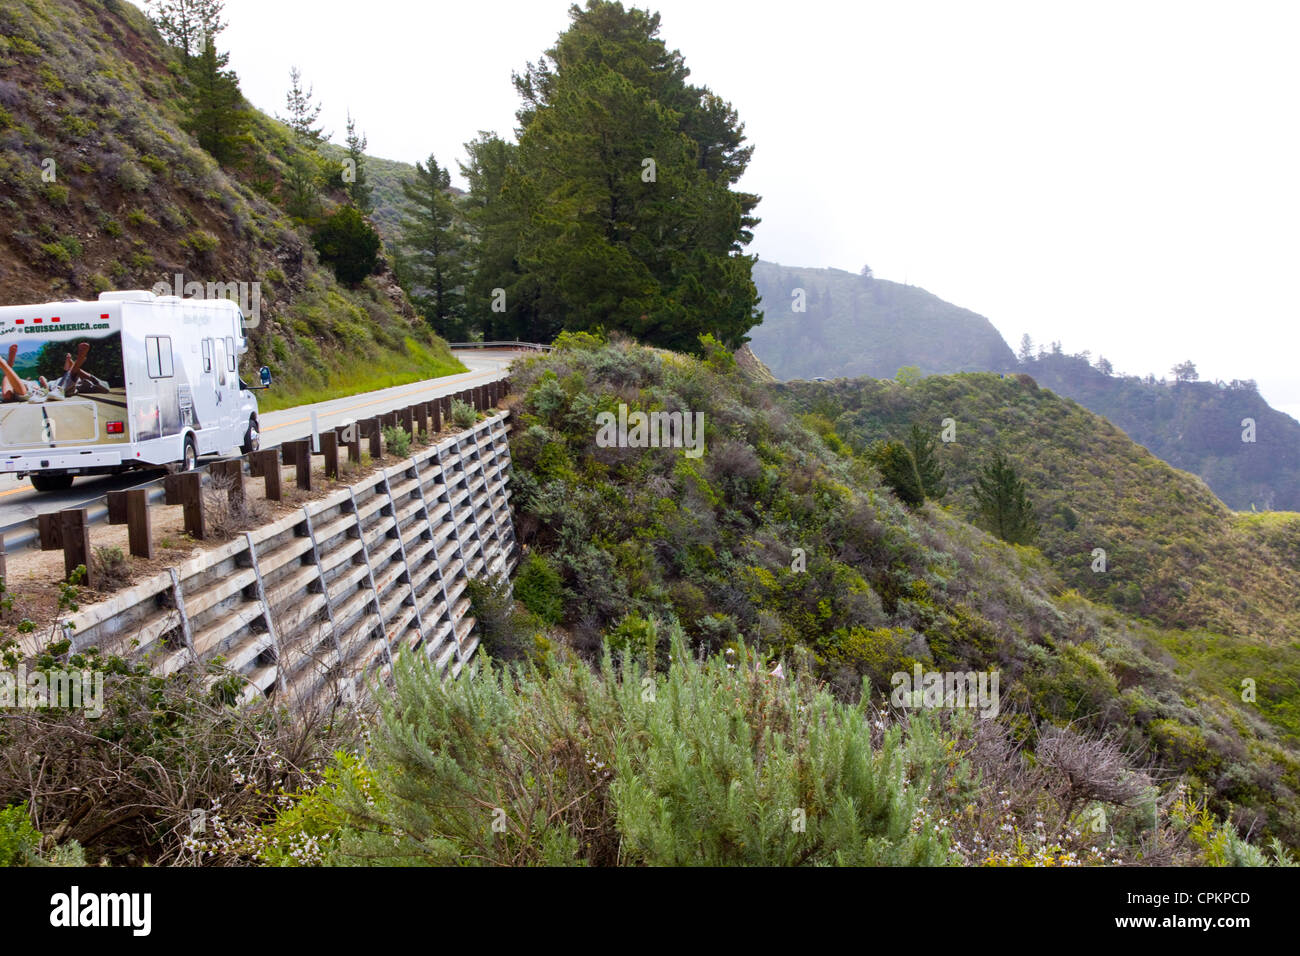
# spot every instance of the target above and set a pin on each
(207, 355)
(158, 355)
(230, 353)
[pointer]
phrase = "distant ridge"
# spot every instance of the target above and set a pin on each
(855, 325)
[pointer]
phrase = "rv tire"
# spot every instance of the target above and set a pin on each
(252, 438)
(51, 482)
(190, 458)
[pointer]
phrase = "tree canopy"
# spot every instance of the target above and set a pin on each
(638, 229)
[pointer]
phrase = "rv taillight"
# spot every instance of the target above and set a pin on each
(113, 428)
(18, 321)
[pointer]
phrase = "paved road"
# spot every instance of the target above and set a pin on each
(19, 501)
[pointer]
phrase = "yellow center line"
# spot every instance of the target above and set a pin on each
(379, 401)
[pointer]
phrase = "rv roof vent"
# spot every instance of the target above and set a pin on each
(134, 295)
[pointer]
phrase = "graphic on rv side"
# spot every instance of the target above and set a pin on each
(62, 387)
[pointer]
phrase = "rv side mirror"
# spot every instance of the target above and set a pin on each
(266, 376)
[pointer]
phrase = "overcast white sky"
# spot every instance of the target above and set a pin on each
(1119, 176)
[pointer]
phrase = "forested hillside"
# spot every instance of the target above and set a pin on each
(126, 160)
(833, 324)
(1196, 426)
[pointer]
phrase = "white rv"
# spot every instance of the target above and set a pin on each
(133, 380)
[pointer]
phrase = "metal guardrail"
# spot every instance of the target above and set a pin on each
(523, 346)
(24, 534)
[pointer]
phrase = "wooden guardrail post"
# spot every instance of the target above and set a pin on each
(117, 507)
(191, 485)
(408, 421)
(298, 454)
(233, 472)
(51, 535)
(172, 489)
(329, 447)
(268, 466)
(375, 432)
(422, 417)
(75, 530)
(138, 527)
(352, 437)
(435, 417)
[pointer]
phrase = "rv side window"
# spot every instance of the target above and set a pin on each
(207, 355)
(158, 355)
(230, 354)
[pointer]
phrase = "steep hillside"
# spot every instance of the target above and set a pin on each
(789, 541)
(856, 325)
(1174, 552)
(1195, 426)
(103, 189)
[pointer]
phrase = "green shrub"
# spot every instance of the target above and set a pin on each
(505, 632)
(19, 840)
(20, 843)
(712, 763)
(897, 468)
(138, 217)
(348, 244)
(578, 340)
(397, 441)
(463, 413)
(539, 587)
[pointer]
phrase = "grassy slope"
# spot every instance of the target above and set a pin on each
(857, 326)
(651, 534)
(1174, 552)
(91, 86)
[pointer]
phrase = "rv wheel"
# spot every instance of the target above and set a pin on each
(51, 482)
(252, 438)
(191, 459)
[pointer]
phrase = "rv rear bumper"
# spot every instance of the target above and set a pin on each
(62, 461)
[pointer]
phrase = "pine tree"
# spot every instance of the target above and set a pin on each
(356, 182)
(898, 470)
(639, 228)
(500, 298)
(923, 446)
(302, 184)
(303, 113)
(1003, 499)
(188, 25)
(217, 115)
(433, 249)
(1026, 353)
